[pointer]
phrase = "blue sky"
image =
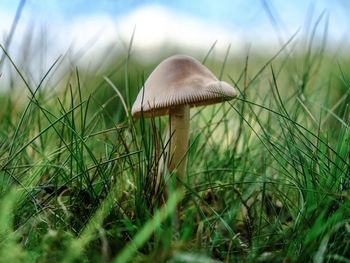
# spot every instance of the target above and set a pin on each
(244, 13)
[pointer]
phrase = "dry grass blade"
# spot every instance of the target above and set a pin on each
(119, 94)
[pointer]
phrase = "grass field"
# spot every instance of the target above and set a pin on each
(267, 178)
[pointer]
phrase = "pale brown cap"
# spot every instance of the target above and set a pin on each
(180, 80)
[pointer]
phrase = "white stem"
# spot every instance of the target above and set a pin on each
(179, 124)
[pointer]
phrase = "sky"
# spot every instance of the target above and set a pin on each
(50, 28)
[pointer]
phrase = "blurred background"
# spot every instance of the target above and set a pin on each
(98, 37)
(37, 31)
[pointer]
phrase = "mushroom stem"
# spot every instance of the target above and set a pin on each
(179, 124)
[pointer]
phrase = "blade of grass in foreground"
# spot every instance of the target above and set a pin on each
(78, 245)
(10, 251)
(145, 233)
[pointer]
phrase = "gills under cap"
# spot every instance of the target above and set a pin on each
(180, 80)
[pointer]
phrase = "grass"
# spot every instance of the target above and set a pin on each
(267, 177)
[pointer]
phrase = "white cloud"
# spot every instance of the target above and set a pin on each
(156, 26)
(101, 35)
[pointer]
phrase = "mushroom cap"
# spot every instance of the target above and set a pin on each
(180, 80)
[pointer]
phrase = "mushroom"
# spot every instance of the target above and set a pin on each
(177, 84)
